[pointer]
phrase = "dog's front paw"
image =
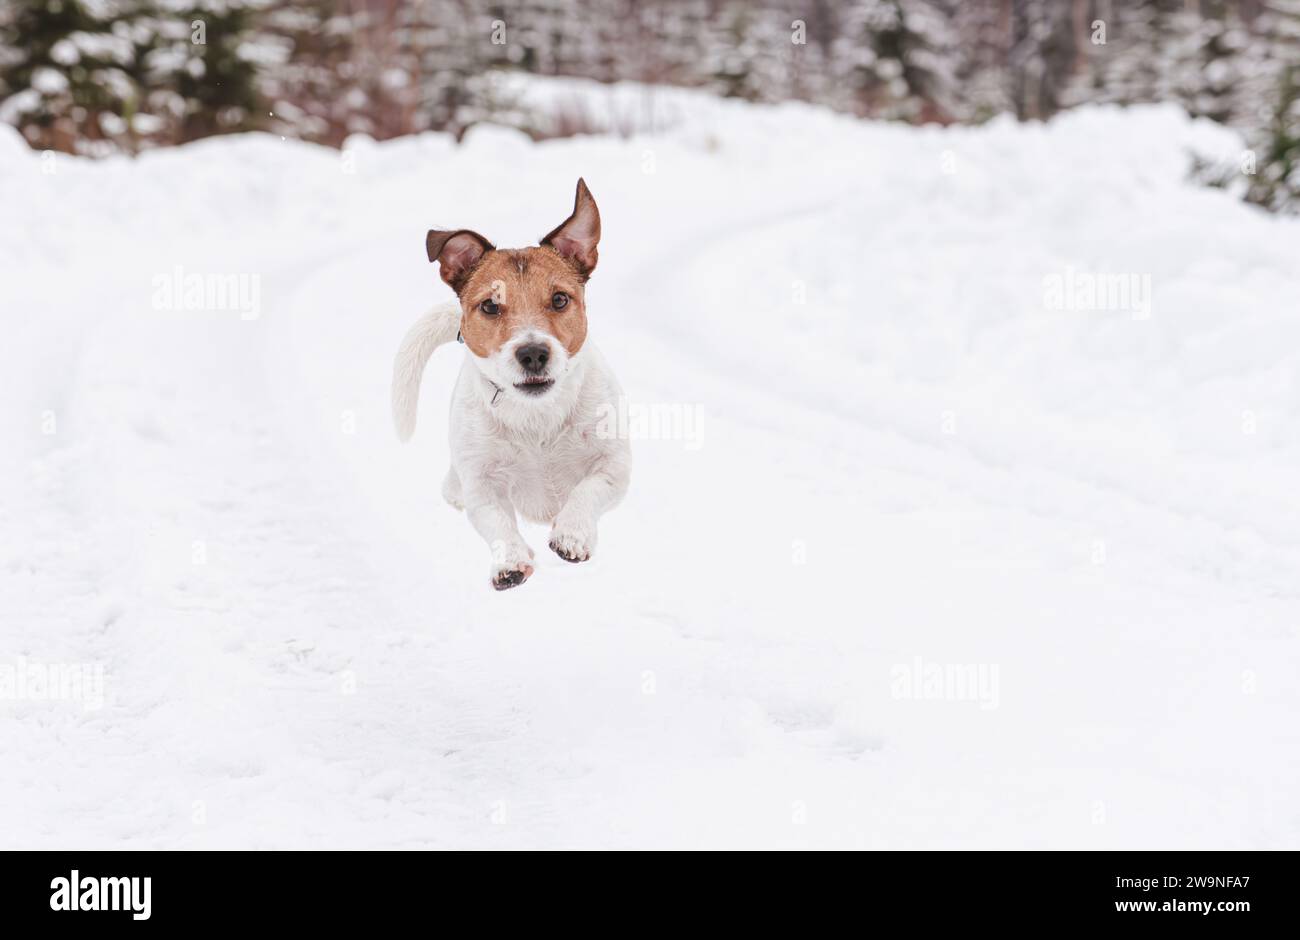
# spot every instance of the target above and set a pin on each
(573, 543)
(505, 580)
(511, 566)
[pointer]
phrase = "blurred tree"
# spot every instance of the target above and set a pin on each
(310, 81)
(984, 28)
(1275, 184)
(1041, 58)
(1276, 181)
(895, 59)
(99, 76)
(69, 72)
(199, 74)
(1206, 59)
(1124, 57)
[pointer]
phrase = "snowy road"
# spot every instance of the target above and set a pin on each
(910, 469)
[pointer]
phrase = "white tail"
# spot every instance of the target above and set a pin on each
(437, 328)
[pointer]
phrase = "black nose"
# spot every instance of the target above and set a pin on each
(533, 358)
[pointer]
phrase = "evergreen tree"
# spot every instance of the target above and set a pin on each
(896, 59)
(107, 75)
(980, 72)
(1041, 58)
(70, 72)
(197, 76)
(929, 51)
(1276, 182)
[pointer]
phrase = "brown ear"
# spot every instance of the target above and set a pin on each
(576, 237)
(456, 253)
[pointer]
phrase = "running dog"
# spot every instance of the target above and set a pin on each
(530, 411)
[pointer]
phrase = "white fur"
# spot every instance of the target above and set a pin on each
(541, 457)
(435, 329)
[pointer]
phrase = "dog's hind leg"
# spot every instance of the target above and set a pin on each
(451, 490)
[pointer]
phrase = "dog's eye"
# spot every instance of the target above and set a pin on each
(489, 308)
(559, 300)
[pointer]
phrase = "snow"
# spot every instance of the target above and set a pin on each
(910, 470)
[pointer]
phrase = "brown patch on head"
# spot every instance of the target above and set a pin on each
(522, 283)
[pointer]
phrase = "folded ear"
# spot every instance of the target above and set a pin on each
(576, 237)
(456, 253)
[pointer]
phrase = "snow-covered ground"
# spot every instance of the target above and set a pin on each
(900, 456)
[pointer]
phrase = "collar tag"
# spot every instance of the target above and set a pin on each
(459, 338)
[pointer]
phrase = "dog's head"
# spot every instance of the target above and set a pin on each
(523, 310)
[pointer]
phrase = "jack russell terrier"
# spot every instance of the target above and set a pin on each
(526, 415)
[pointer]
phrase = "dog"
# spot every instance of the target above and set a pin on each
(531, 406)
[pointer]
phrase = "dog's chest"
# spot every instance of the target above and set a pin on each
(543, 474)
